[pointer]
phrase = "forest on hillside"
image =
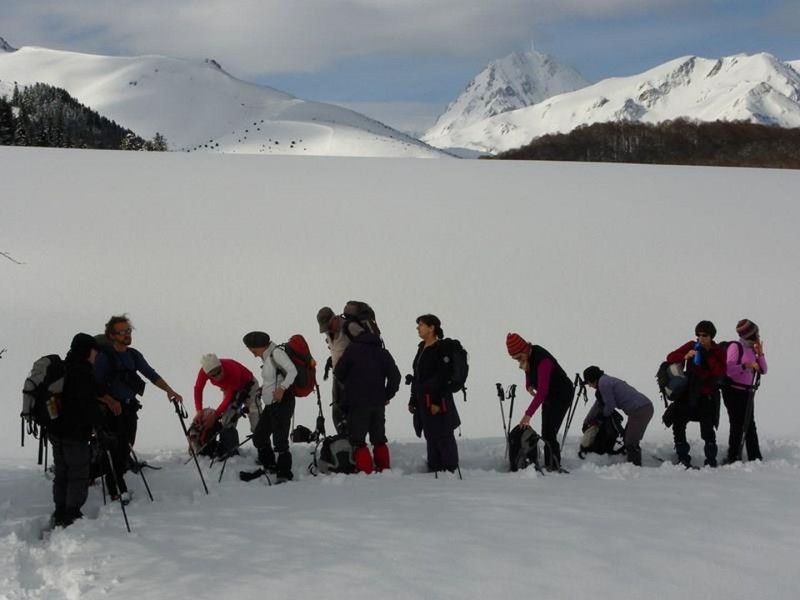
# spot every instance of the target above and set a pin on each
(677, 142)
(47, 116)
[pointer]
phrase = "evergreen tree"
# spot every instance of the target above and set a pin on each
(6, 123)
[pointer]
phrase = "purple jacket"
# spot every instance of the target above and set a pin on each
(741, 375)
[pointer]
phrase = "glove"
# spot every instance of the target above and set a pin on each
(328, 367)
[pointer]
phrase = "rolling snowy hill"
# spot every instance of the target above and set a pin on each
(758, 88)
(200, 107)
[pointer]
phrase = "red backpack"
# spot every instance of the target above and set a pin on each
(299, 353)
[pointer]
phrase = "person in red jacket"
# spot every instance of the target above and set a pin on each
(705, 367)
(240, 396)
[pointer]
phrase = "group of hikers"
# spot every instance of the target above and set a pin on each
(101, 385)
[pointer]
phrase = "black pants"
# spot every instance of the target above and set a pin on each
(365, 420)
(553, 413)
(339, 416)
(275, 421)
(736, 404)
(71, 460)
(703, 410)
(123, 428)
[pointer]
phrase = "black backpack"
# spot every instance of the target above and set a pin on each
(336, 455)
(603, 437)
(672, 381)
(360, 313)
(456, 357)
(523, 448)
(41, 393)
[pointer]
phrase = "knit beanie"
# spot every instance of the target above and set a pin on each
(256, 339)
(746, 329)
(82, 345)
(515, 344)
(210, 362)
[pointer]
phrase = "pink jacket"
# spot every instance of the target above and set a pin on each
(738, 369)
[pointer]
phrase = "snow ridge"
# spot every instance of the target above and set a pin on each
(5, 46)
(756, 88)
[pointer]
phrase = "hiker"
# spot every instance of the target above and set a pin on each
(551, 389)
(612, 394)
(278, 372)
(745, 361)
(432, 404)
(369, 379)
(69, 434)
(116, 370)
(705, 365)
(339, 330)
(239, 397)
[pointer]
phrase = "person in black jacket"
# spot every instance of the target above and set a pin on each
(551, 389)
(431, 403)
(370, 379)
(69, 434)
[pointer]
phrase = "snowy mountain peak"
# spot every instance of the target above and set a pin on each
(757, 88)
(516, 81)
(5, 46)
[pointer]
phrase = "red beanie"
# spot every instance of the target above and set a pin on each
(515, 344)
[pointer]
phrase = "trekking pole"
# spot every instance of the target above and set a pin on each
(230, 453)
(320, 417)
(580, 386)
(501, 395)
(121, 501)
(512, 393)
(748, 413)
(140, 468)
(180, 410)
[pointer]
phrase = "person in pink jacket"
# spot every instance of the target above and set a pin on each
(745, 362)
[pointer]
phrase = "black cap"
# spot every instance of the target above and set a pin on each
(256, 339)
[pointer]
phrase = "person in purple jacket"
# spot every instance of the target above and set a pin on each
(551, 389)
(612, 394)
(745, 361)
(369, 379)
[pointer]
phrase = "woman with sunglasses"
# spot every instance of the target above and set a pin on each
(705, 366)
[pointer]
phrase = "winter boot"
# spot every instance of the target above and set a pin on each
(634, 455)
(682, 450)
(284, 467)
(363, 460)
(711, 455)
(381, 453)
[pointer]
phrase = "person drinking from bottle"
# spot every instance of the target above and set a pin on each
(745, 364)
(705, 366)
(551, 389)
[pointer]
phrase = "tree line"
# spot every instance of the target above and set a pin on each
(47, 116)
(677, 142)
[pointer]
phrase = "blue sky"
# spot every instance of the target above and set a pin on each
(402, 61)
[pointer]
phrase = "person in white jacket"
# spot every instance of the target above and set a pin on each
(277, 376)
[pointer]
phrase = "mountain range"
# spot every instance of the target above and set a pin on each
(756, 88)
(198, 106)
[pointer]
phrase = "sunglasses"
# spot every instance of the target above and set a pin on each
(123, 331)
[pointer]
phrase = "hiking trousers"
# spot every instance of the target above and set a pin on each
(637, 423)
(71, 462)
(736, 404)
(275, 421)
(363, 420)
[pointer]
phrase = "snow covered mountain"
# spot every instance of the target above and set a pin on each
(516, 81)
(200, 107)
(5, 46)
(756, 88)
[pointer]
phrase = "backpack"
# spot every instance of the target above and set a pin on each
(672, 381)
(725, 380)
(300, 354)
(602, 437)
(336, 455)
(361, 314)
(523, 448)
(455, 356)
(41, 393)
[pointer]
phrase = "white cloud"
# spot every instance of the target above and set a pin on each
(259, 37)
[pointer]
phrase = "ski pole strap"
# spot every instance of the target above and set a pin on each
(179, 408)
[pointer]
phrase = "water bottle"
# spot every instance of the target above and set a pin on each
(697, 347)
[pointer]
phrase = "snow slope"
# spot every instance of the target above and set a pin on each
(516, 81)
(604, 264)
(758, 88)
(199, 106)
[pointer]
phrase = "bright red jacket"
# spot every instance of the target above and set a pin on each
(706, 376)
(235, 376)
